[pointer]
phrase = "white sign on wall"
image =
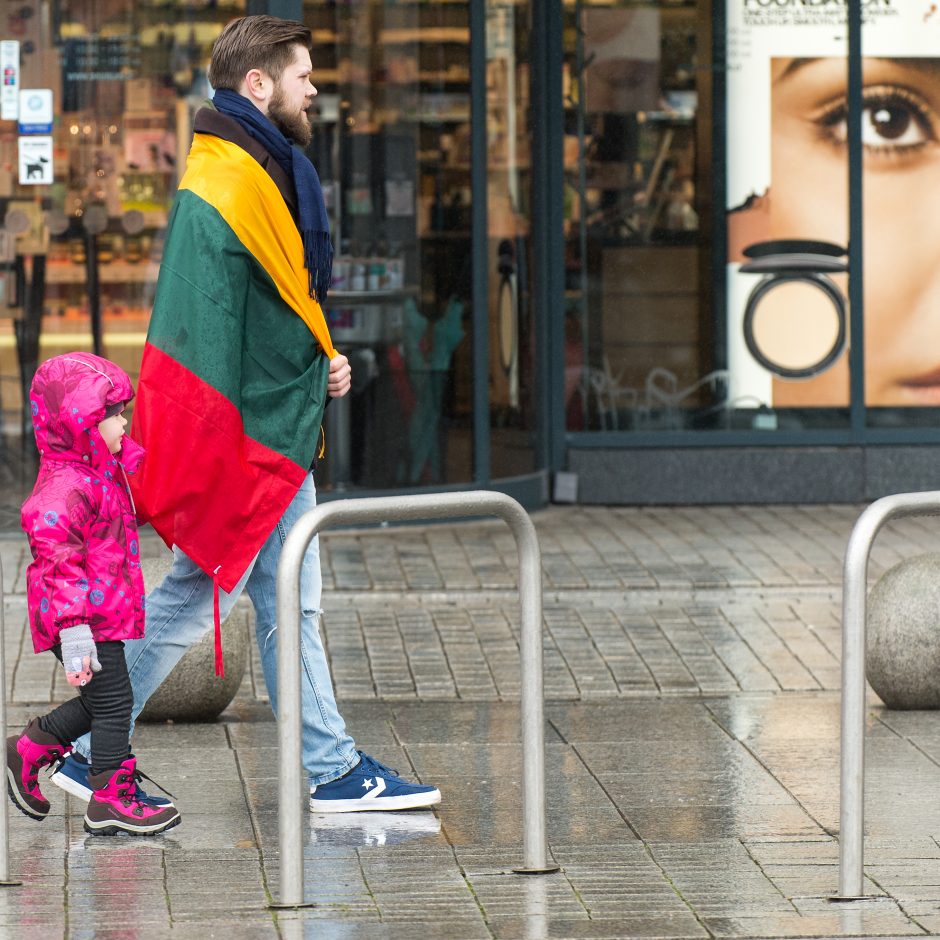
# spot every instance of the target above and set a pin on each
(35, 160)
(9, 79)
(35, 115)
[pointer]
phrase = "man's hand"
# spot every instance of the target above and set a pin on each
(340, 379)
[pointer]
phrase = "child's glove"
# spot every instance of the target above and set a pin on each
(79, 654)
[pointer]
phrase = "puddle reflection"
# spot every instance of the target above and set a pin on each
(536, 902)
(353, 830)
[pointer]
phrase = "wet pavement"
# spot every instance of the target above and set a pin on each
(692, 712)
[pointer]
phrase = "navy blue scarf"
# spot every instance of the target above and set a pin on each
(314, 224)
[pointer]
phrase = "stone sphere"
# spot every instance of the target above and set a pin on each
(903, 655)
(192, 691)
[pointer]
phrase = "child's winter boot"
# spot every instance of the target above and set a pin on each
(26, 754)
(114, 808)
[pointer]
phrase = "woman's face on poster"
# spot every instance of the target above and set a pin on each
(901, 192)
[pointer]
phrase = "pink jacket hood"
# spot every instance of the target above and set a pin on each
(68, 397)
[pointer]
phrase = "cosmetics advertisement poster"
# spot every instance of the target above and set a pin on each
(787, 185)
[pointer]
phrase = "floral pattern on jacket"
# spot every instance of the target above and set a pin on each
(80, 518)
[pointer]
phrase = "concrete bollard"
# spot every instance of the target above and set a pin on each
(903, 646)
(192, 691)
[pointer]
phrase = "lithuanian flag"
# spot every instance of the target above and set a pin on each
(234, 372)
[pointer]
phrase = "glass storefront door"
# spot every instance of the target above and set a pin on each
(638, 339)
(392, 144)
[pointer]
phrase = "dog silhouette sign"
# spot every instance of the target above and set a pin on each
(35, 160)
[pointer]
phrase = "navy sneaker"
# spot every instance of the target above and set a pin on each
(370, 786)
(71, 775)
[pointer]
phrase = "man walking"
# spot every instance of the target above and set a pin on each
(235, 375)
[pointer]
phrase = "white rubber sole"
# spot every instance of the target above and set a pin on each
(18, 801)
(71, 786)
(111, 828)
(381, 804)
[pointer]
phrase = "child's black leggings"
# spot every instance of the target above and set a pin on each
(103, 707)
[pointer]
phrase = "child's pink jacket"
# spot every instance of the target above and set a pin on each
(80, 518)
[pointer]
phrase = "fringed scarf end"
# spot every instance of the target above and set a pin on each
(318, 260)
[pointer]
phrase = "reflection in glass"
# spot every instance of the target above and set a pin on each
(509, 243)
(637, 336)
(392, 147)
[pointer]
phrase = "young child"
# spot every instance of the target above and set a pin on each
(85, 590)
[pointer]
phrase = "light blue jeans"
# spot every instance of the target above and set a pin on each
(179, 612)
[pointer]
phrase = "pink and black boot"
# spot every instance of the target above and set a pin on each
(113, 807)
(26, 754)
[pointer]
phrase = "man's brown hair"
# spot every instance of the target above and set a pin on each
(255, 42)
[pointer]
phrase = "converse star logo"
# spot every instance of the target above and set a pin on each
(374, 787)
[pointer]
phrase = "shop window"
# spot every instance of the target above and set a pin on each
(392, 145)
(662, 334)
(638, 337)
(788, 137)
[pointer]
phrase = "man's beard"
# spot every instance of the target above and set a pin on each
(292, 125)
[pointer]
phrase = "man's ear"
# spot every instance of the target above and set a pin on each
(257, 87)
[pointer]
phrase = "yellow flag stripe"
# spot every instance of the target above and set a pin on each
(237, 186)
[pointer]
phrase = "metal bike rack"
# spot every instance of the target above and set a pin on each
(400, 509)
(854, 602)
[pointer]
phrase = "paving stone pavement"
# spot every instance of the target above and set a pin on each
(692, 714)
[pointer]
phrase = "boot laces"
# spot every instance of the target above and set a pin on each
(140, 775)
(56, 760)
